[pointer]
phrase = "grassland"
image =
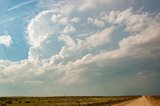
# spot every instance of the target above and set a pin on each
(155, 99)
(64, 101)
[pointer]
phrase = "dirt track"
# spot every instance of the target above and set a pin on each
(143, 101)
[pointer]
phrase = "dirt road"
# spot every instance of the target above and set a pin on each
(143, 101)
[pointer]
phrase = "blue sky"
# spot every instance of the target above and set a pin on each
(76, 47)
(14, 22)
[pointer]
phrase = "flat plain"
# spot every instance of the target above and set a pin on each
(65, 100)
(142, 101)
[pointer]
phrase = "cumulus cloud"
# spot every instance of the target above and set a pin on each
(143, 28)
(69, 29)
(58, 54)
(90, 4)
(75, 20)
(5, 40)
(34, 28)
(100, 38)
(98, 23)
(98, 5)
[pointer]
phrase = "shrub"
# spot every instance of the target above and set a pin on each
(27, 101)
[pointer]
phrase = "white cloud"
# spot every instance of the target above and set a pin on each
(16, 71)
(59, 18)
(36, 35)
(99, 4)
(5, 40)
(92, 4)
(143, 43)
(75, 55)
(69, 52)
(96, 22)
(143, 28)
(134, 21)
(100, 38)
(75, 20)
(67, 39)
(69, 29)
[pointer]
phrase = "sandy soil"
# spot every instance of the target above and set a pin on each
(143, 101)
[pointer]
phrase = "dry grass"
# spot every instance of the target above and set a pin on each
(64, 101)
(155, 100)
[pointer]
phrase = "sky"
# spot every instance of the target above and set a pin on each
(79, 47)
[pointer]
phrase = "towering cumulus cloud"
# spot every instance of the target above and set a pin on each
(70, 44)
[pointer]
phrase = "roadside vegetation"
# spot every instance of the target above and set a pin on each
(64, 101)
(155, 99)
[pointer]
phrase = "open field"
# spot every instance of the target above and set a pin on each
(65, 101)
(142, 101)
(154, 100)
